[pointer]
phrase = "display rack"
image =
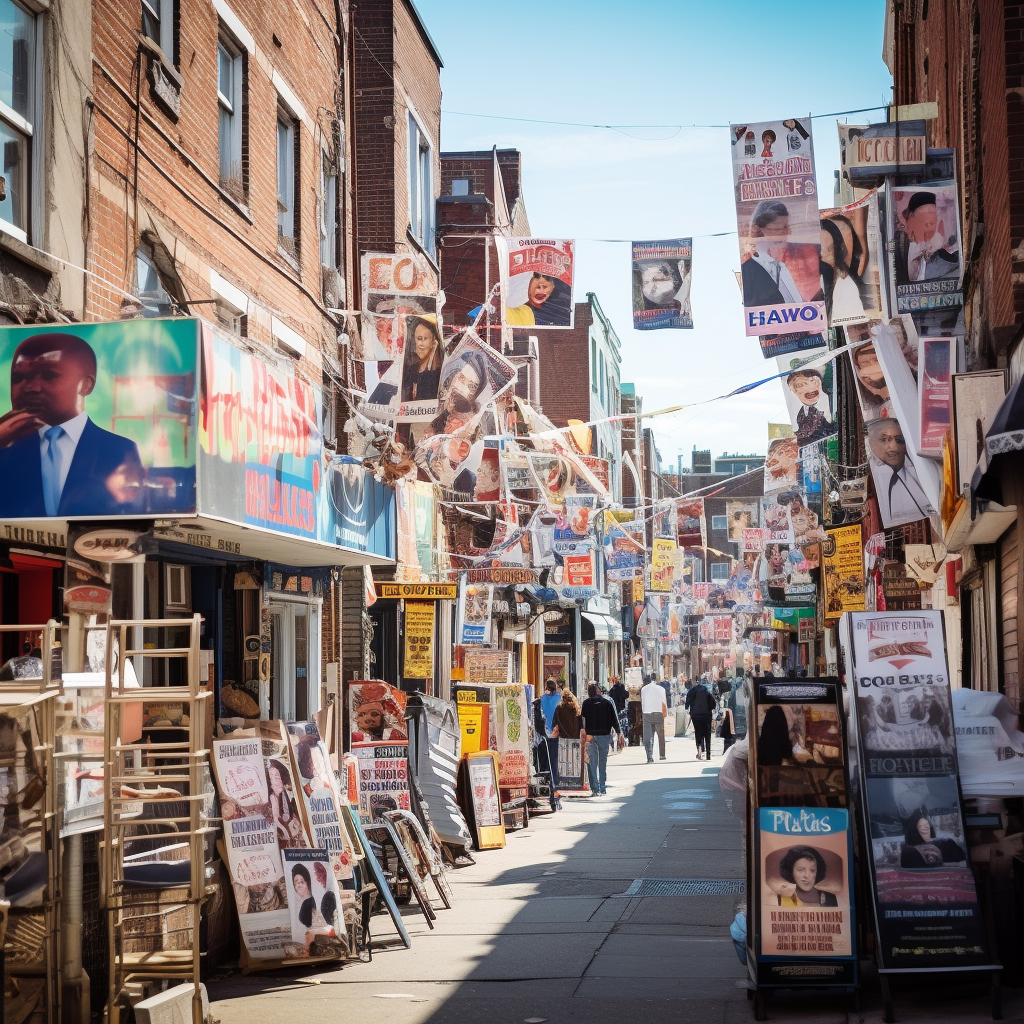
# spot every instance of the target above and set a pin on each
(155, 790)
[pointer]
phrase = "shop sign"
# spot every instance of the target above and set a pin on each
(419, 640)
(109, 545)
(512, 735)
(39, 535)
(896, 585)
(503, 576)
(419, 591)
(867, 153)
(136, 383)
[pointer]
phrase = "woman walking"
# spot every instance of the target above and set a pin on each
(568, 725)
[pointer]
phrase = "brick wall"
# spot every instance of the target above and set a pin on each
(565, 367)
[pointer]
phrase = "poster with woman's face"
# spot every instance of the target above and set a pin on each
(314, 906)
(805, 887)
(850, 243)
(282, 803)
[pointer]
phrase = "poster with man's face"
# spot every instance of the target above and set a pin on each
(98, 419)
(661, 284)
(901, 498)
(536, 279)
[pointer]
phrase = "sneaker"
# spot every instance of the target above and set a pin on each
(650, 760)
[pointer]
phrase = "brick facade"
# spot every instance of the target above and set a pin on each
(565, 368)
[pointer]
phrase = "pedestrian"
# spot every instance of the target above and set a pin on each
(568, 725)
(727, 728)
(545, 751)
(701, 706)
(599, 720)
(654, 709)
(549, 701)
(619, 695)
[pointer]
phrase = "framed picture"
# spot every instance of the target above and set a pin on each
(556, 665)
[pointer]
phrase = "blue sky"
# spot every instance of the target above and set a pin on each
(673, 63)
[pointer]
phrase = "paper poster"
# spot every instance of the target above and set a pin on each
(418, 634)
(315, 911)
(476, 613)
(661, 284)
(406, 388)
(283, 805)
(512, 735)
(779, 233)
(898, 487)
(850, 253)
(872, 385)
(692, 525)
(663, 560)
(805, 882)
(250, 839)
(536, 278)
(926, 259)
(808, 388)
(782, 465)
(623, 552)
(376, 712)
(486, 801)
(395, 287)
(742, 515)
(382, 779)
(936, 365)
(843, 565)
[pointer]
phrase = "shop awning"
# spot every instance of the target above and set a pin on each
(600, 627)
(991, 522)
(1005, 435)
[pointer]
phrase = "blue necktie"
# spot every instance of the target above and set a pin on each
(51, 471)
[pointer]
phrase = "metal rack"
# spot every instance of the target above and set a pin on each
(174, 772)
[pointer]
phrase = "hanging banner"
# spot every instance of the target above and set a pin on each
(406, 388)
(843, 563)
(936, 365)
(418, 632)
(808, 387)
(536, 280)
(926, 258)
(901, 497)
(661, 284)
(663, 560)
(691, 523)
(512, 735)
(780, 236)
(382, 779)
(623, 552)
(395, 288)
(782, 465)
(850, 253)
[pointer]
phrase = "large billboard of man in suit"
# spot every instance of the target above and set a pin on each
(100, 419)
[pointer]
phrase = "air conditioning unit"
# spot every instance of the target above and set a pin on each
(171, 1007)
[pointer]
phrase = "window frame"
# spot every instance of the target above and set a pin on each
(164, 11)
(328, 212)
(236, 106)
(720, 522)
(288, 243)
(422, 216)
(714, 577)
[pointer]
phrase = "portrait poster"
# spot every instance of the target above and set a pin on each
(382, 779)
(574, 524)
(512, 735)
(475, 619)
(808, 387)
(281, 781)
(376, 712)
(691, 523)
(779, 233)
(843, 565)
(395, 288)
(782, 465)
(899, 484)
(317, 920)
(936, 365)
(536, 281)
(250, 839)
(418, 633)
(661, 284)
(850, 252)
(742, 515)
(405, 389)
(488, 474)
(805, 882)
(926, 257)
(134, 407)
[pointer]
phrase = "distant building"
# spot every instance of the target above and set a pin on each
(734, 465)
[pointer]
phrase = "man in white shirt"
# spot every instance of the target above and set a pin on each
(654, 709)
(901, 498)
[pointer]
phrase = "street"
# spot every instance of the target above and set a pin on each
(538, 930)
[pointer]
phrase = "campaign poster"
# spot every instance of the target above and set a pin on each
(936, 365)
(317, 918)
(850, 253)
(691, 523)
(406, 389)
(661, 284)
(250, 838)
(779, 232)
(808, 387)
(536, 279)
(418, 632)
(123, 437)
(574, 523)
(898, 488)
(805, 882)
(926, 257)
(396, 287)
(382, 779)
(512, 735)
(843, 565)
(782, 465)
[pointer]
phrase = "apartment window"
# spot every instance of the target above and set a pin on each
(230, 78)
(158, 25)
(328, 211)
(719, 522)
(18, 85)
(460, 187)
(720, 570)
(157, 293)
(287, 185)
(421, 186)
(601, 376)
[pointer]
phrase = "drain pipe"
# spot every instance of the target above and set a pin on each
(77, 991)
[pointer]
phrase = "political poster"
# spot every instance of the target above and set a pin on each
(396, 288)
(382, 778)
(843, 566)
(850, 255)
(741, 515)
(661, 284)
(779, 233)
(317, 919)
(536, 281)
(936, 365)
(926, 256)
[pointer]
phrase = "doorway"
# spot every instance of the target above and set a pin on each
(294, 659)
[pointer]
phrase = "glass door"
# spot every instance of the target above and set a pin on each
(295, 659)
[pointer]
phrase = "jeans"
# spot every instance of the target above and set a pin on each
(553, 761)
(654, 725)
(702, 733)
(597, 766)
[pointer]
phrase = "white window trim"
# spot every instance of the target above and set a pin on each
(287, 338)
(325, 158)
(238, 83)
(288, 99)
(231, 22)
(429, 245)
(166, 15)
(229, 294)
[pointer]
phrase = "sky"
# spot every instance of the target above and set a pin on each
(678, 62)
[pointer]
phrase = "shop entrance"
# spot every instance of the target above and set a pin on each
(295, 659)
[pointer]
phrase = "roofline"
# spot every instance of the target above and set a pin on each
(421, 25)
(720, 483)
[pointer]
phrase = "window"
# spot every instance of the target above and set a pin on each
(158, 25)
(460, 187)
(593, 364)
(720, 570)
(328, 211)
(230, 74)
(719, 522)
(18, 85)
(287, 191)
(152, 287)
(421, 186)
(601, 376)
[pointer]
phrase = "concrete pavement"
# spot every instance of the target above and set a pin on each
(539, 931)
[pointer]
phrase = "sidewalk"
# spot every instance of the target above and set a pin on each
(538, 930)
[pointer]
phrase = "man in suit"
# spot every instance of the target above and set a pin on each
(767, 280)
(54, 461)
(901, 498)
(922, 251)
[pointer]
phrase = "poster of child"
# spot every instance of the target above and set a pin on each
(376, 712)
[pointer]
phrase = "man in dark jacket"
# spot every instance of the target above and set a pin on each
(701, 706)
(599, 719)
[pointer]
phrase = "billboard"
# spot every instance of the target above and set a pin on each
(98, 419)
(536, 279)
(661, 284)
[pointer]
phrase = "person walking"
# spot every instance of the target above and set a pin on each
(701, 706)
(727, 728)
(654, 709)
(568, 725)
(599, 719)
(549, 702)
